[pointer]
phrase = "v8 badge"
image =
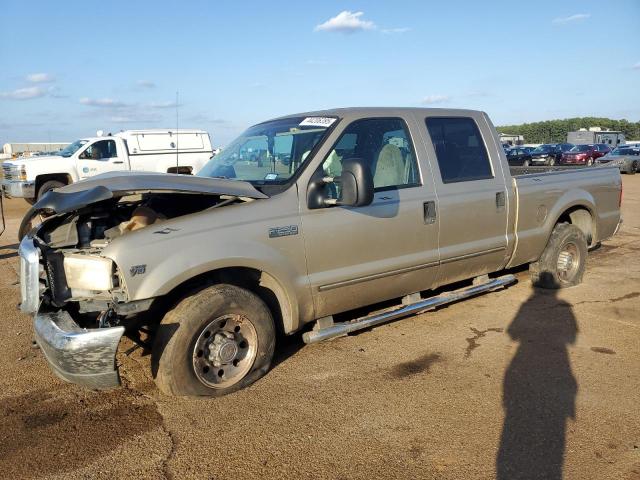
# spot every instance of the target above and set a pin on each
(137, 270)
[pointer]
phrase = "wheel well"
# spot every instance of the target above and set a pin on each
(580, 217)
(182, 170)
(60, 177)
(256, 281)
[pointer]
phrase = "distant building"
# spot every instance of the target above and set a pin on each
(596, 135)
(13, 150)
(511, 139)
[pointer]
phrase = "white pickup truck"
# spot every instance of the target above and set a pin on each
(165, 151)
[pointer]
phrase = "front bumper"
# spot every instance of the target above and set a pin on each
(17, 189)
(77, 355)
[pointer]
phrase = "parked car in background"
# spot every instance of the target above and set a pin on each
(626, 157)
(519, 156)
(580, 155)
(549, 153)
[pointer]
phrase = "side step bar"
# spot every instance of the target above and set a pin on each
(343, 328)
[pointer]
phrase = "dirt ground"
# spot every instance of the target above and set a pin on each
(513, 384)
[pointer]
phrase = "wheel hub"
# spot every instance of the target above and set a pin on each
(222, 349)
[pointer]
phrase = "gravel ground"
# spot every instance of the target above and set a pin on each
(514, 384)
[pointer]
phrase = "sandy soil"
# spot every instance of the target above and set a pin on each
(514, 384)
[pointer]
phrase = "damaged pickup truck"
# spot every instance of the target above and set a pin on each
(347, 208)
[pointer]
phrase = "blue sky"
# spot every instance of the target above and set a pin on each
(70, 68)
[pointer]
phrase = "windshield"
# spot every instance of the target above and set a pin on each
(270, 152)
(625, 151)
(73, 148)
(580, 148)
(543, 149)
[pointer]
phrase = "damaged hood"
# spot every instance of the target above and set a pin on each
(117, 184)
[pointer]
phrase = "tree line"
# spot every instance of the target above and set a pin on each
(555, 131)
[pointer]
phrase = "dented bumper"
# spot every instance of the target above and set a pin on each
(77, 355)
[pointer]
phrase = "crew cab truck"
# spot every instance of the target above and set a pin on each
(371, 205)
(173, 151)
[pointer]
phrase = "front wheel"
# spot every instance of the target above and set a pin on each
(563, 260)
(589, 162)
(552, 162)
(214, 342)
(525, 163)
(635, 167)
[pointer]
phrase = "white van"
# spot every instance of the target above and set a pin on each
(166, 151)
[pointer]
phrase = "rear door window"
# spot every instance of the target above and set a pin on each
(460, 150)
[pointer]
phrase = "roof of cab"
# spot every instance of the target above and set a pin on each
(357, 112)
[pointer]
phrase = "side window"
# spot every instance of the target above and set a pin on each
(383, 143)
(460, 151)
(100, 150)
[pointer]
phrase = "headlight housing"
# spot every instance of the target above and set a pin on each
(15, 172)
(88, 272)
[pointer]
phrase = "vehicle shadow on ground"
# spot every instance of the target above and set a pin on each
(539, 390)
(10, 254)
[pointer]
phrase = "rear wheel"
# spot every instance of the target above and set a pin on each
(563, 260)
(635, 166)
(214, 342)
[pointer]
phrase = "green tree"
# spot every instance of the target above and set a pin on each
(554, 131)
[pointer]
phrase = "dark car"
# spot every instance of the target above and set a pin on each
(519, 156)
(549, 153)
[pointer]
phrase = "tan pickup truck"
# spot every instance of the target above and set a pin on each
(299, 219)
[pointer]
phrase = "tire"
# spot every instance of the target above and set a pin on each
(589, 162)
(525, 163)
(222, 321)
(552, 162)
(553, 270)
(47, 187)
(635, 167)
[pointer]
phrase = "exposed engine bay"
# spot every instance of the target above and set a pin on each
(74, 275)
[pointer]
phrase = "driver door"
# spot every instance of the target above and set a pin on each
(357, 256)
(99, 157)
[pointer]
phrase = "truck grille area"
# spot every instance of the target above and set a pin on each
(9, 172)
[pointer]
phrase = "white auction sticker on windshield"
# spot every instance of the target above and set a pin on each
(317, 122)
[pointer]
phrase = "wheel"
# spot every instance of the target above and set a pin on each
(47, 187)
(213, 342)
(563, 260)
(525, 163)
(552, 162)
(589, 162)
(635, 167)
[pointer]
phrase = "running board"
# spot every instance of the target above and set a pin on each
(343, 328)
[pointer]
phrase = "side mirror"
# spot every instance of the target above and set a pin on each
(354, 185)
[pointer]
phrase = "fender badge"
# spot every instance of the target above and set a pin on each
(137, 270)
(275, 232)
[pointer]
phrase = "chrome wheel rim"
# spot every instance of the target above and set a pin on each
(225, 350)
(568, 262)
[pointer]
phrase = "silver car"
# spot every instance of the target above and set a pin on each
(626, 157)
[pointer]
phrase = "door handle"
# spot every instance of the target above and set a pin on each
(119, 161)
(500, 200)
(429, 212)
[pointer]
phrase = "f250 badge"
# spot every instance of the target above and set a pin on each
(275, 232)
(137, 270)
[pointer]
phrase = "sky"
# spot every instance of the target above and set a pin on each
(70, 68)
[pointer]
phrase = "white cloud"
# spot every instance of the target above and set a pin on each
(40, 78)
(26, 93)
(168, 104)
(571, 18)
(431, 99)
(395, 30)
(102, 102)
(146, 84)
(346, 22)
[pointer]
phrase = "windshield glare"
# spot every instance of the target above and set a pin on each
(543, 149)
(73, 148)
(269, 153)
(580, 148)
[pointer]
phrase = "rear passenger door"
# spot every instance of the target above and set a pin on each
(472, 196)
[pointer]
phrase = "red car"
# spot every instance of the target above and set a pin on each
(584, 154)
